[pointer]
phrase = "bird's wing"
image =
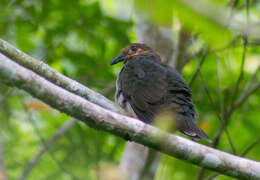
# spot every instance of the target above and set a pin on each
(180, 97)
(143, 84)
(178, 93)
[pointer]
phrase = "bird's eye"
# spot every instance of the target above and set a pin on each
(134, 49)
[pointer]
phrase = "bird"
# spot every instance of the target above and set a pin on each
(145, 85)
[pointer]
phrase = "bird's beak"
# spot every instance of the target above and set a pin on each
(118, 59)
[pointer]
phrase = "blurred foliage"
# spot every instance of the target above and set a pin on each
(206, 18)
(79, 38)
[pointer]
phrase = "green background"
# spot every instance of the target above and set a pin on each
(79, 38)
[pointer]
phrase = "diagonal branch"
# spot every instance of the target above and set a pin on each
(128, 128)
(250, 146)
(245, 95)
(200, 63)
(59, 79)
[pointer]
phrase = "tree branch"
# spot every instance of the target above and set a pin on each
(128, 128)
(247, 149)
(59, 79)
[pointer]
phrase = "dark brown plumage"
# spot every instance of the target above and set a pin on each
(145, 86)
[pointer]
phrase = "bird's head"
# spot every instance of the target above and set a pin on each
(130, 51)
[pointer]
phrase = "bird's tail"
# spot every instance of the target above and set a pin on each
(190, 128)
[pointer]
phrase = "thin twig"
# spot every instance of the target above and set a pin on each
(250, 147)
(221, 118)
(227, 115)
(231, 43)
(223, 121)
(218, 134)
(222, 103)
(211, 176)
(46, 146)
(251, 80)
(240, 74)
(203, 57)
(48, 143)
(247, 91)
(240, 101)
(245, 95)
(200, 174)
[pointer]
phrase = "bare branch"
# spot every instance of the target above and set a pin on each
(223, 119)
(128, 128)
(246, 93)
